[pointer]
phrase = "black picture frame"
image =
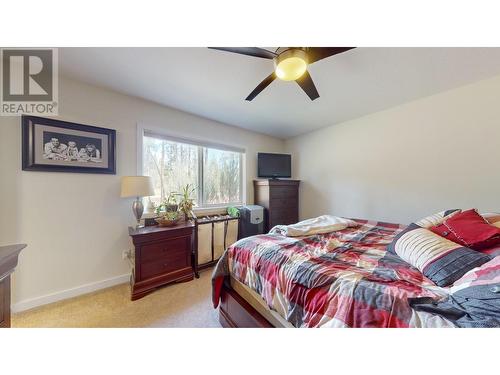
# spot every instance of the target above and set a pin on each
(29, 123)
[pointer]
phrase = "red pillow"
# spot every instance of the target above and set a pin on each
(443, 231)
(471, 230)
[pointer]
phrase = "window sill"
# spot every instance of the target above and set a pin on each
(200, 211)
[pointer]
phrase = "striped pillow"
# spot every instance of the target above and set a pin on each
(426, 222)
(436, 219)
(439, 259)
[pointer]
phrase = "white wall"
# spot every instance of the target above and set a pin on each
(75, 225)
(398, 165)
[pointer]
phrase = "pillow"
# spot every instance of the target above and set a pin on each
(470, 229)
(437, 219)
(443, 231)
(426, 222)
(439, 259)
(492, 218)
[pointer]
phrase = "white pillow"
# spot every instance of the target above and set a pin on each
(436, 219)
(420, 247)
(441, 260)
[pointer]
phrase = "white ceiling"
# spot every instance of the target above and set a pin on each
(214, 84)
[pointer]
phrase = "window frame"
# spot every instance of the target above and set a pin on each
(143, 131)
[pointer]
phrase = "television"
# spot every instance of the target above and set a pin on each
(274, 165)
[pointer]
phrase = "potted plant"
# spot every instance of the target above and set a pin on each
(167, 211)
(186, 203)
(167, 205)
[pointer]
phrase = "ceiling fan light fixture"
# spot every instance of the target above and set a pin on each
(291, 64)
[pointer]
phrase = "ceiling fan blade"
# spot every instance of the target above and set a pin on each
(261, 86)
(307, 84)
(318, 53)
(249, 51)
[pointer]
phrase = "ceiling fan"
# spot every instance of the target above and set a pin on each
(290, 64)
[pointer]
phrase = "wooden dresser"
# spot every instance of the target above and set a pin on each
(161, 256)
(280, 199)
(8, 261)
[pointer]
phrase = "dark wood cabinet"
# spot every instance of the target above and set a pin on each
(280, 199)
(8, 262)
(161, 256)
(5, 302)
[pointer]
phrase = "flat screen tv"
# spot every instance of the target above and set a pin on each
(274, 165)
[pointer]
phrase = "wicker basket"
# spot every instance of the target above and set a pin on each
(163, 222)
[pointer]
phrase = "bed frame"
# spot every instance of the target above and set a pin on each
(235, 312)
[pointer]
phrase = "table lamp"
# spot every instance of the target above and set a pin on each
(138, 187)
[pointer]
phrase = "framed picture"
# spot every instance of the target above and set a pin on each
(50, 145)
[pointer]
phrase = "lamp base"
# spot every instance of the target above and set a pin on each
(138, 210)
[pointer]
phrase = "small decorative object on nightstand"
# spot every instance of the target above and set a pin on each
(138, 187)
(162, 255)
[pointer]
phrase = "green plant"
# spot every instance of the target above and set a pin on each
(233, 212)
(168, 205)
(186, 203)
(171, 215)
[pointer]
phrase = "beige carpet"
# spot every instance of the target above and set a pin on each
(178, 305)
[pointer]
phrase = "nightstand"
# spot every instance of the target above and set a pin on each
(162, 255)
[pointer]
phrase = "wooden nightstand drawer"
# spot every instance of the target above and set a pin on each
(175, 259)
(164, 249)
(161, 256)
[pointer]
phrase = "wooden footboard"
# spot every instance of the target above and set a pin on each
(235, 312)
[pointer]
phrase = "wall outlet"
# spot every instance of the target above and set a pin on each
(126, 254)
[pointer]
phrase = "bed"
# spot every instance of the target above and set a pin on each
(345, 278)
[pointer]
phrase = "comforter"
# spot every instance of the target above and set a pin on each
(339, 279)
(474, 300)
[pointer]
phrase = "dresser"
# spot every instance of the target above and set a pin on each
(162, 255)
(8, 262)
(280, 199)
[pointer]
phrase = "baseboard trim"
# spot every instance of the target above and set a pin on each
(68, 293)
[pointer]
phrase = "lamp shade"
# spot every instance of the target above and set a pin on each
(137, 186)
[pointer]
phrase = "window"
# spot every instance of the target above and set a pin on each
(214, 171)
